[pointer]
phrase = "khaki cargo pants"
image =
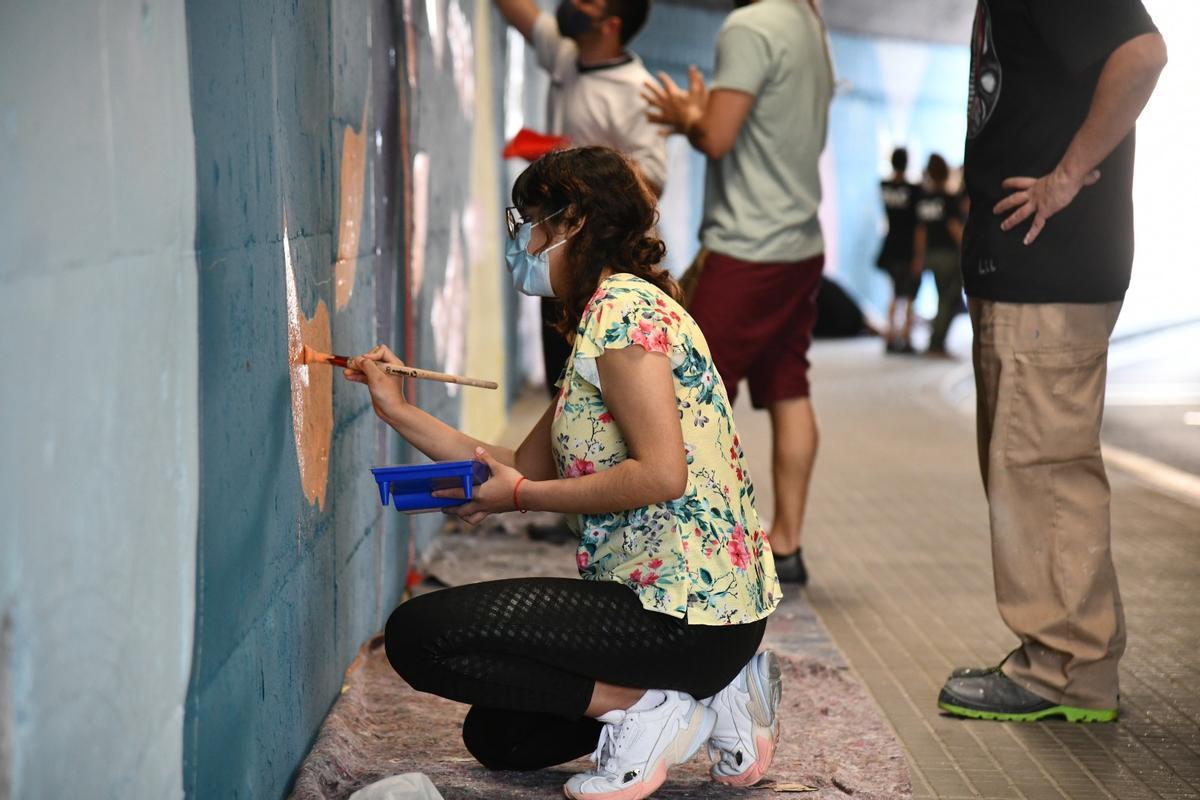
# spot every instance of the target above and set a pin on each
(1039, 375)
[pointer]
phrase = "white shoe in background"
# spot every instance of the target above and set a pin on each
(743, 741)
(634, 754)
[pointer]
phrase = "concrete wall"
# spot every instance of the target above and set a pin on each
(677, 35)
(898, 83)
(942, 21)
(346, 163)
(891, 92)
(191, 192)
(1165, 281)
(945, 21)
(193, 549)
(902, 68)
(99, 410)
(297, 560)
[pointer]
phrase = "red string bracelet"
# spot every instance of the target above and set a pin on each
(516, 495)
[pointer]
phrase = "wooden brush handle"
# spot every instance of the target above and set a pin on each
(429, 375)
(317, 357)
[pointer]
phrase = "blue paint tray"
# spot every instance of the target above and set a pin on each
(411, 486)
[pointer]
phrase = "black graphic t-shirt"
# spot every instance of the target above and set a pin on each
(934, 211)
(1034, 69)
(899, 200)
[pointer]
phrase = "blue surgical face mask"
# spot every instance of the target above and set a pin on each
(530, 273)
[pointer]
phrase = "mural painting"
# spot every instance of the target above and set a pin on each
(336, 210)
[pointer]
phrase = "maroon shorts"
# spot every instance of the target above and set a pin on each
(758, 320)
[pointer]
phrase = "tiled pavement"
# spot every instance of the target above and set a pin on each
(897, 544)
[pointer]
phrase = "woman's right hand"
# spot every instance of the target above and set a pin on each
(387, 391)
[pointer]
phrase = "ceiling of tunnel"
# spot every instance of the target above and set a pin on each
(947, 21)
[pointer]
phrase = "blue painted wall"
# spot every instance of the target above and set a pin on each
(152, 150)
(288, 587)
(675, 37)
(98, 472)
(175, 611)
(890, 92)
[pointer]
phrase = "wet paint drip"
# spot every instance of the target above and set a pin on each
(420, 219)
(354, 163)
(312, 388)
(435, 12)
(410, 43)
(462, 58)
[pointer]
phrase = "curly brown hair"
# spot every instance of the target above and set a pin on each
(605, 195)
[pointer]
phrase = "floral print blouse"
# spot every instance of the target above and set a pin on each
(704, 555)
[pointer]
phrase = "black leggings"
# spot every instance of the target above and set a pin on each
(526, 653)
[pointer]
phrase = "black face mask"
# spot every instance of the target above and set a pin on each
(572, 22)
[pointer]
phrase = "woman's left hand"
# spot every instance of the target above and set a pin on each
(493, 496)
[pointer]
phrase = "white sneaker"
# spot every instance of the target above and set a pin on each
(743, 741)
(633, 755)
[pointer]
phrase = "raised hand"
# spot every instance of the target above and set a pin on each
(676, 109)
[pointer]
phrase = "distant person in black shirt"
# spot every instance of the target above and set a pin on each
(1056, 88)
(936, 246)
(896, 255)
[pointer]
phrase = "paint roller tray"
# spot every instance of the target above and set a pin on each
(411, 486)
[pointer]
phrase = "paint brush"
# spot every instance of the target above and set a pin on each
(310, 356)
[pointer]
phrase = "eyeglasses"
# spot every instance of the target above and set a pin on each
(512, 216)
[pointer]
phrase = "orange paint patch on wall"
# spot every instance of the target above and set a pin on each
(312, 387)
(354, 164)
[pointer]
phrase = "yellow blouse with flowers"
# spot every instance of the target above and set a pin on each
(704, 555)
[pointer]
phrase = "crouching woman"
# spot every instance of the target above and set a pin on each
(654, 653)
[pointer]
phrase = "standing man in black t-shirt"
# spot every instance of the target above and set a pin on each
(896, 255)
(936, 245)
(1056, 88)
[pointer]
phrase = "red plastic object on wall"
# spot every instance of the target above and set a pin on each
(531, 145)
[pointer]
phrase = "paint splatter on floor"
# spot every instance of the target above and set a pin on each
(834, 740)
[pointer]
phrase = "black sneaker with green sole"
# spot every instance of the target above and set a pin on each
(971, 672)
(993, 695)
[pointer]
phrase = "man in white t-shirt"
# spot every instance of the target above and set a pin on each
(595, 83)
(595, 99)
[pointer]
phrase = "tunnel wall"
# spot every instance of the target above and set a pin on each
(891, 90)
(99, 467)
(891, 93)
(346, 193)
(191, 549)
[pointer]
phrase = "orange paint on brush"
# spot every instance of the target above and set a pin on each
(354, 164)
(312, 389)
(308, 355)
